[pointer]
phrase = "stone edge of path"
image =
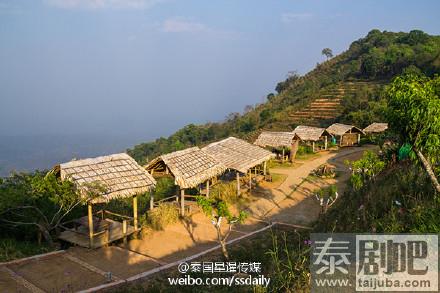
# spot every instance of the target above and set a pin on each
(21, 281)
(38, 256)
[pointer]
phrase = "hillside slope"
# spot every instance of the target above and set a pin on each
(346, 88)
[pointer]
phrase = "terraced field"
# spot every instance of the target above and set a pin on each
(327, 106)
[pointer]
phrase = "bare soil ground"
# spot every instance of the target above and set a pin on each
(121, 262)
(8, 284)
(57, 274)
(289, 201)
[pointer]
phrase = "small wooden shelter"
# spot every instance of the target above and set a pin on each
(239, 155)
(118, 176)
(312, 135)
(348, 135)
(190, 168)
(277, 139)
(376, 127)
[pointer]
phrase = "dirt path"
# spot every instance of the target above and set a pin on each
(293, 201)
(78, 268)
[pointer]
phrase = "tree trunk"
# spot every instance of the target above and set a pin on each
(222, 242)
(46, 236)
(428, 169)
(325, 208)
(224, 250)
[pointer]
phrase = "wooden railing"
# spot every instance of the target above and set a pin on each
(173, 197)
(103, 214)
(176, 198)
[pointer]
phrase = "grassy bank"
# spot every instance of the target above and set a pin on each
(11, 249)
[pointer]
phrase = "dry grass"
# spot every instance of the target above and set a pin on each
(162, 216)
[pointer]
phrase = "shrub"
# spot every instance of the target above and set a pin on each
(325, 171)
(304, 149)
(162, 216)
(401, 201)
(226, 191)
(165, 187)
(365, 169)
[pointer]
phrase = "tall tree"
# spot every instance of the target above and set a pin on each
(414, 113)
(327, 52)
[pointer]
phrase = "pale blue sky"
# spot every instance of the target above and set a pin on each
(144, 68)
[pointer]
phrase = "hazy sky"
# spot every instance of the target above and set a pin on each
(144, 68)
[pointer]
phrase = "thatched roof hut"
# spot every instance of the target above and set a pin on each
(341, 129)
(309, 133)
(275, 139)
(118, 174)
(190, 167)
(376, 127)
(237, 154)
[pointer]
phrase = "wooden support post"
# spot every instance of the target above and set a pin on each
(135, 212)
(265, 168)
(250, 179)
(325, 142)
(359, 137)
(313, 146)
(182, 202)
(151, 200)
(90, 220)
(207, 188)
(293, 150)
(283, 156)
(238, 182)
(340, 140)
(124, 231)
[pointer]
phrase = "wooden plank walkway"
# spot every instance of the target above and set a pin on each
(115, 233)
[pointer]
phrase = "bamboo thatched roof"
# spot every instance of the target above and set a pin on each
(190, 167)
(237, 154)
(376, 127)
(119, 176)
(341, 129)
(275, 139)
(310, 133)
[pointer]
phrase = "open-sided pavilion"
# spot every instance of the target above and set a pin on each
(190, 168)
(239, 155)
(99, 180)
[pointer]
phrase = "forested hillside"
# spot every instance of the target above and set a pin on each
(349, 87)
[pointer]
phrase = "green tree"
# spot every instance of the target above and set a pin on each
(217, 209)
(414, 113)
(365, 169)
(37, 200)
(327, 52)
(270, 97)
